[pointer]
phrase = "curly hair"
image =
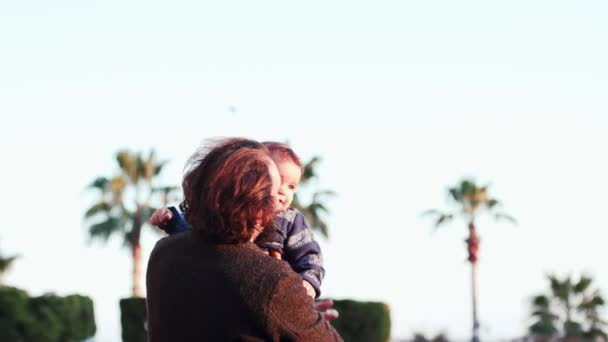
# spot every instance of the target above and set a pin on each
(228, 190)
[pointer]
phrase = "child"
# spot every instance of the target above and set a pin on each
(293, 240)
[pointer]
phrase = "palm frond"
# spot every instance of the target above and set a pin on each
(592, 303)
(149, 170)
(597, 300)
(151, 160)
(456, 194)
(560, 289)
(431, 212)
(506, 217)
(140, 169)
(323, 193)
(103, 230)
(540, 301)
(543, 329)
(491, 203)
(127, 162)
(317, 207)
(582, 284)
(544, 314)
(468, 187)
(99, 183)
(165, 189)
(442, 219)
(159, 167)
(309, 172)
(100, 207)
(6, 262)
(322, 226)
(439, 218)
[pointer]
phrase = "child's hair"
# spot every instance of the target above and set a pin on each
(284, 152)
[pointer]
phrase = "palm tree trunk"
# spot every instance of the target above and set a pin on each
(136, 249)
(473, 249)
(475, 337)
(136, 271)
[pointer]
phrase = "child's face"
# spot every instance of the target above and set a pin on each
(290, 174)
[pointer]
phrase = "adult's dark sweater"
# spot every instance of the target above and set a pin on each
(198, 291)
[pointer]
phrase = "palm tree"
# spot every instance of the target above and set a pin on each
(470, 200)
(544, 317)
(126, 202)
(590, 308)
(575, 305)
(316, 211)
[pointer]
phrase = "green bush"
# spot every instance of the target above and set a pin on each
(363, 321)
(47, 318)
(46, 324)
(80, 322)
(133, 317)
(14, 314)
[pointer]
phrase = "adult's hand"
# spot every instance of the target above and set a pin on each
(325, 307)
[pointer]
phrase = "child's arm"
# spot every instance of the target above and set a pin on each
(302, 251)
(170, 220)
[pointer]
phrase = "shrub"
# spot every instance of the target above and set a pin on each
(80, 321)
(46, 324)
(363, 321)
(14, 313)
(133, 317)
(358, 321)
(48, 318)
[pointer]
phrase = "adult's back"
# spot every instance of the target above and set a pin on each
(199, 291)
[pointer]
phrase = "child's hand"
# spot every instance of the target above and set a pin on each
(160, 217)
(309, 289)
(275, 255)
(325, 307)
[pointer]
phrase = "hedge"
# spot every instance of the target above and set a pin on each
(363, 321)
(14, 313)
(358, 321)
(133, 317)
(47, 318)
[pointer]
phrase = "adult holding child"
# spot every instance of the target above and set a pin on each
(213, 283)
(292, 240)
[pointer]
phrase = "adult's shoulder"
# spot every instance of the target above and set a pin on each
(170, 243)
(171, 239)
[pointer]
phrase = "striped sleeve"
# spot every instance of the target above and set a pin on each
(302, 251)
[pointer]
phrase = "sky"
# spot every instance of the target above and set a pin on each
(400, 99)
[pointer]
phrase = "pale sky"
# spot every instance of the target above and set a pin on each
(400, 99)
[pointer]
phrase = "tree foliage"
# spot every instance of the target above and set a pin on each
(125, 202)
(571, 308)
(316, 211)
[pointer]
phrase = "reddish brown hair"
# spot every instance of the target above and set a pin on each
(283, 151)
(227, 189)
